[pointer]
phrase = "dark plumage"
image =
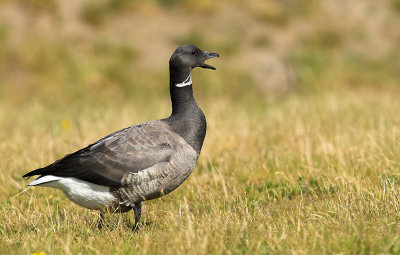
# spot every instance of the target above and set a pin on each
(120, 171)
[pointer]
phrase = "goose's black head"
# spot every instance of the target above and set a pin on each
(189, 56)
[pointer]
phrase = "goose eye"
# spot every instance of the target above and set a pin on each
(193, 52)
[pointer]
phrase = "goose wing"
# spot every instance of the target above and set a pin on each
(106, 161)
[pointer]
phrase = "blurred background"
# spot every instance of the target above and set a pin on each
(88, 51)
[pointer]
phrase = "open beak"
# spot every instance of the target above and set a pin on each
(209, 55)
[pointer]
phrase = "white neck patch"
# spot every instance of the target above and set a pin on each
(186, 82)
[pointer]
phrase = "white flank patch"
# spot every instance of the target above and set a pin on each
(186, 82)
(86, 194)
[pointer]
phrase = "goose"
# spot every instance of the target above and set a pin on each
(122, 170)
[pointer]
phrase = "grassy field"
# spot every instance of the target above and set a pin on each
(310, 174)
(307, 165)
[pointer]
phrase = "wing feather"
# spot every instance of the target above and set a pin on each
(106, 161)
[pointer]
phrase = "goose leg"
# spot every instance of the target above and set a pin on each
(137, 209)
(100, 221)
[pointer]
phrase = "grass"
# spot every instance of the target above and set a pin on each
(309, 174)
(312, 171)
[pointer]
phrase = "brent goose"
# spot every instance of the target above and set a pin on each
(138, 163)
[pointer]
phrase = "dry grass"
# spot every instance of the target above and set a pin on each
(310, 174)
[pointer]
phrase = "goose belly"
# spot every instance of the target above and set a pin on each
(156, 181)
(86, 194)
